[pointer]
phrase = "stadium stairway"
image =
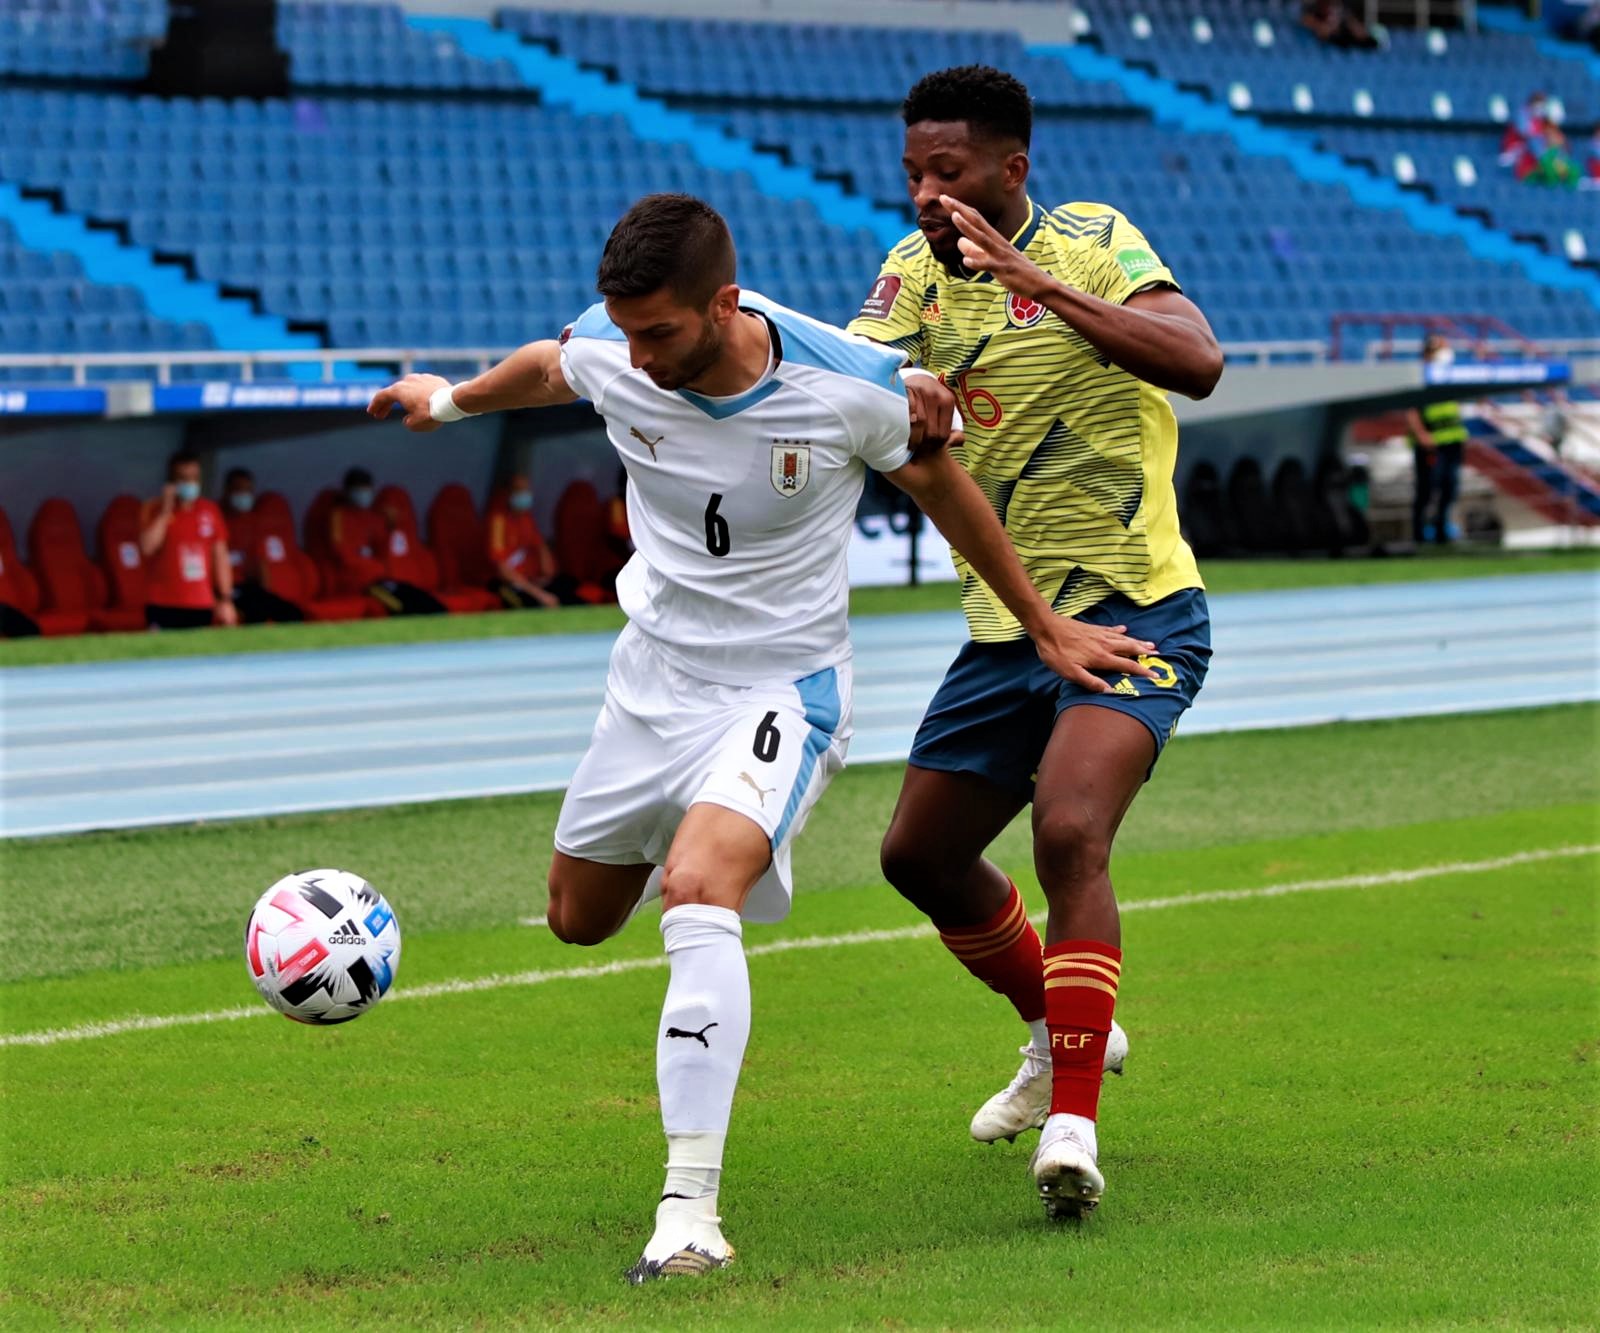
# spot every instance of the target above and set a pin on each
(1550, 488)
(1170, 104)
(561, 81)
(166, 290)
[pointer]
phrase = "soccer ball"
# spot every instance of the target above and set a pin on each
(322, 946)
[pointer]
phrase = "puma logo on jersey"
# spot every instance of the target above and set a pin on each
(646, 440)
(699, 1036)
(756, 787)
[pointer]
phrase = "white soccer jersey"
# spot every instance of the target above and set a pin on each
(740, 508)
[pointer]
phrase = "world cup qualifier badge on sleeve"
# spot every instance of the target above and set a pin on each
(880, 300)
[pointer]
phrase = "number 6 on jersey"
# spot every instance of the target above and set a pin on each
(718, 540)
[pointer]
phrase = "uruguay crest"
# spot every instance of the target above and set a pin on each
(791, 466)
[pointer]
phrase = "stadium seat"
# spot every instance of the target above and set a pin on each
(314, 533)
(20, 589)
(69, 582)
(456, 536)
(286, 570)
(410, 561)
(580, 541)
(117, 535)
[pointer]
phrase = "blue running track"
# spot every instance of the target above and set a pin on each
(122, 744)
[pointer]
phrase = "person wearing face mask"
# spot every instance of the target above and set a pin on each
(525, 573)
(1438, 438)
(255, 602)
(366, 552)
(189, 577)
(357, 536)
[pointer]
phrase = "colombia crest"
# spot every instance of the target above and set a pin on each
(1023, 312)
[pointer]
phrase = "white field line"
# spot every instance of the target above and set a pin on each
(500, 981)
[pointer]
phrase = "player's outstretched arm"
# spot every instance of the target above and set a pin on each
(530, 377)
(1158, 335)
(1070, 648)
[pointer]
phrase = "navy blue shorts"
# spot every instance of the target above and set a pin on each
(995, 710)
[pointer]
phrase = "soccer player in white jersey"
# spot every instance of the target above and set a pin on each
(746, 430)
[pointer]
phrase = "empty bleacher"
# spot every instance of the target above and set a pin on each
(412, 195)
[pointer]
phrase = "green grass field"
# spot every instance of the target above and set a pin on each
(1222, 576)
(1363, 1105)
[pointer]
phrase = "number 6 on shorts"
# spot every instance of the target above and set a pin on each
(768, 738)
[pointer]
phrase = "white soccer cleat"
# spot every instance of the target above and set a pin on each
(1025, 1102)
(1116, 1049)
(687, 1242)
(1065, 1173)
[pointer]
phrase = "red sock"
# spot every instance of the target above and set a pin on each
(1080, 995)
(1004, 953)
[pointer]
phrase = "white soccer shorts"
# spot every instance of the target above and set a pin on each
(666, 740)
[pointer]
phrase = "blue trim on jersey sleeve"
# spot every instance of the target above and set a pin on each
(807, 343)
(819, 695)
(721, 409)
(595, 323)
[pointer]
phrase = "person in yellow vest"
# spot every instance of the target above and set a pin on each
(1438, 437)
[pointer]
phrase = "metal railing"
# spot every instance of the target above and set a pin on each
(1556, 349)
(344, 364)
(1479, 330)
(251, 364)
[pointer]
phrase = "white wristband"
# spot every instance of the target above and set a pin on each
(442, 405)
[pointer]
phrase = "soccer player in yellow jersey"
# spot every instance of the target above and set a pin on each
(1060, 331)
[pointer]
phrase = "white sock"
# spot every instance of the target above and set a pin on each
(1079, 1127)
(1039, 1035)
(705, 1023)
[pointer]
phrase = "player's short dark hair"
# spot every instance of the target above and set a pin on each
(357, 476)
(180, 458)
(992, 103)
(668, 240)
(239, 474)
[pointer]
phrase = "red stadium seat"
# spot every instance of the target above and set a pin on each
(314, 534)
(580, 544)
(19, 588)
(314, 531)
(455, 532)
(121, 561)
(286, 570)
(411, 562)
(68, 579)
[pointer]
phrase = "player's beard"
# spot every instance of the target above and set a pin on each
(699, 359)
(948, 252)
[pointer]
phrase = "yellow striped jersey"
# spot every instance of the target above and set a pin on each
(1075, 455)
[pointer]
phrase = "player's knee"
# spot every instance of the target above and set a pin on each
(1069, 848)
(685, 882)
(566, 921)
(905, 861)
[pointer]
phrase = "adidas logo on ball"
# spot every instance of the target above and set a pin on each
(346, 937)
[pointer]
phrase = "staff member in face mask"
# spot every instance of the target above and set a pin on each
(189, 579)
(255, 602)
(1438, 438)
(365, 549)
(525, 570)
(357, 535)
